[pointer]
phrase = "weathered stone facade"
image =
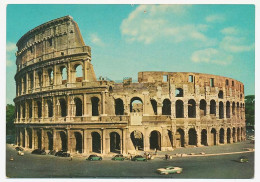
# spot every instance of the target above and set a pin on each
(61, 105)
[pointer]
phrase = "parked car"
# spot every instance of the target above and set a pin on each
(52, 152)
(243, 159)
(119, 157)
(94, 158)
(139, 158)
(62, 153)
(169, 170)
(39, 151)
(19, 148)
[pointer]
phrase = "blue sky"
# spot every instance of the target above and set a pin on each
(126, 39)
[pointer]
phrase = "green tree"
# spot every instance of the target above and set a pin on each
(10, 117)
(250, 109)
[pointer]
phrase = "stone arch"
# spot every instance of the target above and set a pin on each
(119, 107)
(63, 107)
(50, 141)
(178, 92)
(220, 94)
(96, 142)
(63, 141)
(191, 108)
(228, 135)
(228, 109)
(155, 140)
(179, 109)
(213, 107)
(213, 133)
(78, 72)
(39, 139)
(166, 108)
(180, 138)
(79, 142)
(221, 110)
(137, 139)
(221, 135)
(154, 105)
(192, 136)
(234, 134)
(203, 107)
(204, 140)
(63, 74)
(95, 106)
(79, 106)
(233, 108)
(39, 106)
(115, 145)
(136, 104)
(50, 108)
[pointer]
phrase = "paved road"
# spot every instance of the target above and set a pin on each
(35, 166)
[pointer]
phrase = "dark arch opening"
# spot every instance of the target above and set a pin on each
(155, 140)
(30, 138)
(214, 136)
(204, 140)
(23, 135)
(221, 110)
(39, 139)
(39, 105)
(220, 94)
(170, 137)
(203, 107)
(78, 138)
(192, 137)
(154, 105)
(213, 107)
(221, 135)
(180, 138)
(228, 135)
(96, 142)
(79, 73)
(119, 107)
(228, 109)
(114, 142)
(50, 108)
(63, 139)
(50, 141)
(95, 106)
(233, 108)
(166, 109)
(179, 109)
(136, 105)
(191, 108)
(63, 107)
(78, 104)
(137, 140)
(234, 134)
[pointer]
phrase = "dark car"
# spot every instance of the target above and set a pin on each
(94, 158)
(19, 148)
(39, 151)
(62, 154)
(139, 158)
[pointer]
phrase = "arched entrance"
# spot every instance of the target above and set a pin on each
(221, 110)
(170, 137)
(228, 135)
(234, 134)
(137, 140)
(204, 137)
(192, 136)
(78, 104)
(115, 142)
(191, 108)
(221, 135)
(203, 107)
(179, 138)
(96, 142)
(23, 134)
(179, 109)
(166, 108)
(136, 105)
(78, 138)
(95, 106)
(63, 140)
(39, 139)
(119, 107)
(50, 141)
(213, 136)
(155, 140)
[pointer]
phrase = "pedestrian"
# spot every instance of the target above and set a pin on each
(71, 157)
(166, 156)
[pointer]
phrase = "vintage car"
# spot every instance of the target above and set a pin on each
(139, 158)
(169, 170)
(94, 157)
(39, 151)
(18, 148)
(119, 157)
(62, 153)
(243, 159)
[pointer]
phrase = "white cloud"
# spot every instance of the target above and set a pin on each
(229, 30)
(235, 44)
(149, 23)
(211, 55)
(94, 38)
(215, 18)
(10, 47)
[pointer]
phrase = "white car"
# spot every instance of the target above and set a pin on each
(169, 170)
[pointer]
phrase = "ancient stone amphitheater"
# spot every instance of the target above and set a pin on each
(61, 105)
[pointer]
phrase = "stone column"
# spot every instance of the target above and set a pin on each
(159, 108)
(173, 109)
(26, 83)
(103, 104)
(54, 136)
(198, 131)
(43, 109)
(186, 137)
(217, 109)
(103, 142)
(85, 144)
(217, 136)
(69, 73)
(185, 108)
(146, 140)
(224, 110)
(33, 138)
(164, 139)
(124, 141)
(225, 135)
(68, 107)
(26, 138)
(85, 105)
(85, 79)
(68, 140)
(54, 75)
(198, 109)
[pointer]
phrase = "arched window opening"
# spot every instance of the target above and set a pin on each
(179, 109)
(228, 109)
(95, 106)
(50, 75)
(79, 140)
(203, 107)
(154, 105)
(24, 84)
(50, 141)
(30, 138)
(220, 94)
(119, 107)
(31, 81)
(136, 105)
(204, 137)
(137, 140)
(228, 135)
(39, 79)
(155, 140)
(221, 135)
(39, 139)
(227, 82)
(234, 134)
(237, 109)
(78, 104)
(191, 108)
(233, 108)
(166, 109)
(213, 107)
(50, 108)
(221, 110)
(192, 136)
(96, 142)
(63, 141)
(79, 73)
(63, 107)
(30, 109)
(23, 110)
(39, 106)
(115, 142)
(63, 71)
(178, 92)
(170, 137)
(213, 136)
(179, 138)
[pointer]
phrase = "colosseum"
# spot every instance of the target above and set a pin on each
(61, 105)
